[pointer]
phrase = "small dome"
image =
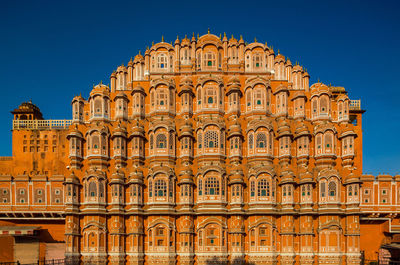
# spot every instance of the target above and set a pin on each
(235, 129)
(138, 58)
(138, 88)
(186, 129)
(297, 68)
(301, 129)
(121, 68)
(136, 176)
(137, 130)
(283, 128)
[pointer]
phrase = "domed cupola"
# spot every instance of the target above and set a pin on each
(233, 86)
(186, 176)
(301, 130)
(186, 130)
(235, 129)
(283, 128)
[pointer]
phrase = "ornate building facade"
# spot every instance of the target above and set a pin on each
(204, 151)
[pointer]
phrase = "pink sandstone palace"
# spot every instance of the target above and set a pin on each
(207, 150)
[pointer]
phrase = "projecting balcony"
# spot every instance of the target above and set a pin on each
(355, 104)
(41, 124)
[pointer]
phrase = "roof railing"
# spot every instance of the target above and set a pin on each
(41, 124)
(355, 104)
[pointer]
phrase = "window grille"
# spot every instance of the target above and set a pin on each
(212, 186)
(160, 188)
(211, 139)
(161, 141)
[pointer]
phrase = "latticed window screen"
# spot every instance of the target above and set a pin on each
(162, 61)
(258, 97)
(200, 187)
(171, 141)
(263, 187)
(92, 189)
(209, 59)
(212, 186)
(211, 139)
(251, 141)
(160, 188)
(332, 188)
(199, 139)
(162, 99)
(257, 60)
(252, 188)
(261, 141)
(161, 141)
(151, 141)
(323, 189)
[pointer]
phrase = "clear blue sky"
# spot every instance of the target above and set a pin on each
(51, 51)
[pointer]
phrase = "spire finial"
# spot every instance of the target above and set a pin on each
(162, 38)
(208, 31)
(193, 34)
(241, 37)
(224, 34)
(139, 52)
(198, 36)
(220, 36)
(279, 52)
(255, 39)
(152, 43)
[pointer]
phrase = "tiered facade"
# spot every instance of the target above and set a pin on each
(212, 151)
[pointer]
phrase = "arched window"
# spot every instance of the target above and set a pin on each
(248, 99)
(323, 189)
(332, 188)
(151, 141)
(92, 189)
(252, 188)
(212, 186)
(261, 141)
(328, 138)
(98, 108)
(209, 60)
(199, 96)
(160, 188)
(161, 141)
(324, 105)
(200, 187)
(251, 141)
(162, 98)
(259, 98)
(211, 139)
(257, 61)
(210, 96)
(263, 188)
(150, 188)
(162, 62)
(314, 104)
(199, 140)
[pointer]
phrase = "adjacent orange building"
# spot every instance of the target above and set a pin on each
(204, 151)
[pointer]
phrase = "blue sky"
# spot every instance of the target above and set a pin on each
(53, 50)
